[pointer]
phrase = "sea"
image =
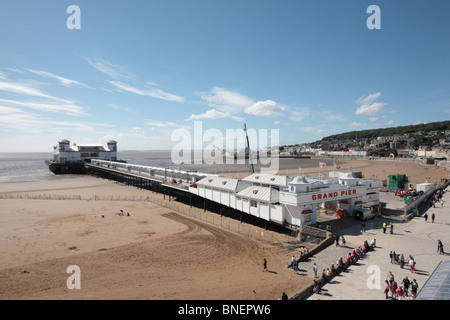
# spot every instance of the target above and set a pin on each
(30, 166)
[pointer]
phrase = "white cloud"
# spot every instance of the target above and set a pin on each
(240, 119)
(22, 89)
(119, 73)
(10, 110)
(62, 80)
(390, 122)
(299, 114)
(162, 124)
(111, 70)
(373, 119)
(370, 109)
(368, 106)
(356, 124)
(67, 108)
(210, 114)
(231, 103)
(266, 108)
(150, 92)
(369, 98)
(227, 101)
(23, 121)
(326, 131)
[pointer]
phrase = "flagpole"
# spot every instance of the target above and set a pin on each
(334, 170)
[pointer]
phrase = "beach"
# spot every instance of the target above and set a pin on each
(155, 252)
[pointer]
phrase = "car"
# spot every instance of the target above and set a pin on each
(364, 214)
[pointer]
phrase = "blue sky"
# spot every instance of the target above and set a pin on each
(137, 71)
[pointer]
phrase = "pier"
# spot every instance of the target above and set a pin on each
(289, 202)
(167, 181)
(174, 185)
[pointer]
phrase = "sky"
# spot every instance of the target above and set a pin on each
(149, 74)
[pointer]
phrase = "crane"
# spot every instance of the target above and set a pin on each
(252, 169)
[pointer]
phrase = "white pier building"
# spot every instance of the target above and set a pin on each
(64, 152)
(289, 200)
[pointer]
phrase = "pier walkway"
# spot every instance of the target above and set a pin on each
(416, 237)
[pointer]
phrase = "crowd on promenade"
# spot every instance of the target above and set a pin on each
(341, 264)
(406, 286)
(400, 291)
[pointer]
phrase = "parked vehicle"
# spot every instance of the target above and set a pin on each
(364, 214)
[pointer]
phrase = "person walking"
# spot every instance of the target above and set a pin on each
(412, 265)
(394, 289)
(390, 277)
(392, 228)
(315, 270)
(363, 225)
(402, 261)
(386, 288)
(265, 265)
(391, 256)
(426, 217)
(440, 247)
(293, 263)
(406, 283)
(414, 288)
(342, 241)
(399, 293)
(337, 240)
(432, 217)
(384, 227)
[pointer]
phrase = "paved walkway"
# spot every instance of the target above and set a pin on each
(416, 237)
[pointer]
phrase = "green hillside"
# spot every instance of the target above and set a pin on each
(374, 133)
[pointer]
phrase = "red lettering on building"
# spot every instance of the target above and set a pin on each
(335, 194)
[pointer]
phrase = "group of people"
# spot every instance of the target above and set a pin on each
(391, 227)
(401, 291)
(433, 216)
(340, 241)
(400, 260)
(352, 257)
(436, 197)
(303, 256)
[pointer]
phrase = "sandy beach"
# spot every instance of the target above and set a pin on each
(417, 172)
(154, 253)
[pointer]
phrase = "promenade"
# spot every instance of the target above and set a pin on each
(416, 237)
